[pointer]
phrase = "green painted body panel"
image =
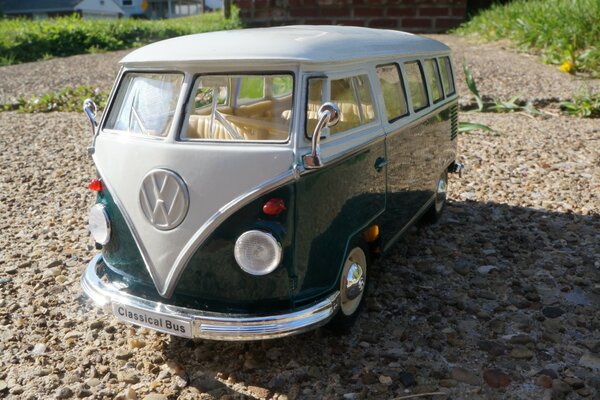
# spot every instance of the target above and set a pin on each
(333, 204)
(212, 280)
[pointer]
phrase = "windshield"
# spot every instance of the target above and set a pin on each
(145, 104)
(240, 107)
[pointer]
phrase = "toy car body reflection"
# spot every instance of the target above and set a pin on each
(247, 178)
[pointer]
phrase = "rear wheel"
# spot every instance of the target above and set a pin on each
(353, 287)
(433, 214)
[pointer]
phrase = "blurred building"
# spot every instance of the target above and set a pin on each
(407, 15)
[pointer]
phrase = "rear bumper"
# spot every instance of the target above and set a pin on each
(207, 325)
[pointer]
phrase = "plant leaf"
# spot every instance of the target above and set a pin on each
(465, 127)
(472, 85)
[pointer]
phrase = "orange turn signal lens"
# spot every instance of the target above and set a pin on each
(371, 234)
(274, 207)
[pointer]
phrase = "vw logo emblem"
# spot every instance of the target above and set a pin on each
(164, 199)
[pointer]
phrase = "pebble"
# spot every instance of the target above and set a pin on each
(591, 361)
(522, 353)
(544, 381)
(63, 393)
(39, 348)
(496, 378)
(128, 377)
(407, 379)
(552, 312)
(463, 375)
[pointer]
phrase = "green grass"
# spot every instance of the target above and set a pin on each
(26, 40)
(68, 99)
(564, 32)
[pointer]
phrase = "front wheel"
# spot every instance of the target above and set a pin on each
(353, 287)
(433, 214)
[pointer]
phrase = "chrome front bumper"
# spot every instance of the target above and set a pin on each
(208, 325)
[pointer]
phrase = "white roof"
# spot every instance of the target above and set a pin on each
(313, 44)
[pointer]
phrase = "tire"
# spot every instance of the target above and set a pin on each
(352, 299)
(433, 214)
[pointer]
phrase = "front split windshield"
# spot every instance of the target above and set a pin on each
(145, 103)
(240, 107)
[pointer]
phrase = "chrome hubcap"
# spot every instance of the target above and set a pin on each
(353, 281)
(440, 193)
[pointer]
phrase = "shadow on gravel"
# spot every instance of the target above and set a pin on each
(455, 294)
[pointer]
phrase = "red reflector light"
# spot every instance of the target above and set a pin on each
(96, 185)
(274, 207)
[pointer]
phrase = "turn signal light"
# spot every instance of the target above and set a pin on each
(96, 185)
(274, 207)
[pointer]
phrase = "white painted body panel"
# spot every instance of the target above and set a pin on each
(304, 44)
(215, 174)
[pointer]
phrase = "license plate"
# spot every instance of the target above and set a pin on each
(148, 319)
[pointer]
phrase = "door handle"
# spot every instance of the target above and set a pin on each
(380, 163)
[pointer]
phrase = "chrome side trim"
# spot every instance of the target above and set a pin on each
(215, 326)
(213, 222)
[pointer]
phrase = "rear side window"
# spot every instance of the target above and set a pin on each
(433, 77)
(416, 85)
(446, 72)
(353, 97)
(392, 90)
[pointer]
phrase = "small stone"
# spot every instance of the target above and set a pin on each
(521, 339)
(590, 360)
(83, 393)
(521, 353)
(351, 396)
(39, 348)
(496, 378)
(155, 396)
(123, 354)
(448, 383)
(96, 325)
(552, 312)
(574, 382)
(544, 381)
(407, 379)
(385, 380)
(257, 391)
(130, 394)
(136, 343)
(584, 392)
(3, 386)
(486, 269)
(127, 377)
(63, 393)
(464, 375)
(561, 387)
(60, 279)
(92, 382)
(493, 348)
(5, 280)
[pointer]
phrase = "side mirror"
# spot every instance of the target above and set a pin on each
(89, 107)
(329, 115)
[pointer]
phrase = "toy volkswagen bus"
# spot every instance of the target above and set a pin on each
(246, 179)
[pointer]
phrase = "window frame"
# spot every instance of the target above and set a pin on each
(403, 89)
(336, 75)
(114, 96)
(189, 100)
(450, 75)
(436, 67)
(418, 61)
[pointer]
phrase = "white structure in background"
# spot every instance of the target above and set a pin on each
(99, 9)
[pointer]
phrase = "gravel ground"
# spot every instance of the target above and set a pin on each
(499, 300)
(37, 78)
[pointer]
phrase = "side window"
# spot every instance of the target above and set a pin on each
(446, 72)
(416, 85)
(353, 97)
(433, 77)
(392, 90)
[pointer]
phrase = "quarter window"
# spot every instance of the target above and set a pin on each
(392, 90)
(416, 85)
(433, 77)
(446, 72)
(353, 97)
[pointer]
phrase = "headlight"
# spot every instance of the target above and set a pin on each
(257, 252)
(99, 224)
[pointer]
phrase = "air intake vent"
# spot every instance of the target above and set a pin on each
(453, 122)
